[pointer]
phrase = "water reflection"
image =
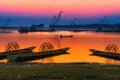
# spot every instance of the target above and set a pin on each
(79, 44)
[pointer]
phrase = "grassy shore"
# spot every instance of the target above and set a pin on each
(61, 71)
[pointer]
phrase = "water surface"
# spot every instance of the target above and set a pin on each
(79, 44)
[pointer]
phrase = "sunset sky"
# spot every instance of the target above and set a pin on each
(24, 12)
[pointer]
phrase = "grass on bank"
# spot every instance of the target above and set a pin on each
(59, 72)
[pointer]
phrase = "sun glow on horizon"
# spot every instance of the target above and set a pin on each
(50, 7)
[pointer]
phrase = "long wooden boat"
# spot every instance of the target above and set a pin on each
(114, 56)
(66, 36)
(38, 55)
(3, 55)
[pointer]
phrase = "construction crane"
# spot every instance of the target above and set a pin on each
(6, 24)
(57, 18)
(73, 21)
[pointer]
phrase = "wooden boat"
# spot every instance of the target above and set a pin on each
(23, 30)
(66, 36)
(3, 55)
(39, 55)
(114, 56)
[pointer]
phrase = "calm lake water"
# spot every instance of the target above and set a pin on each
(79, 44)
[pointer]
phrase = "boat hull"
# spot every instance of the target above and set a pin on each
(114, 56)
(3, 55)
(40, 55)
